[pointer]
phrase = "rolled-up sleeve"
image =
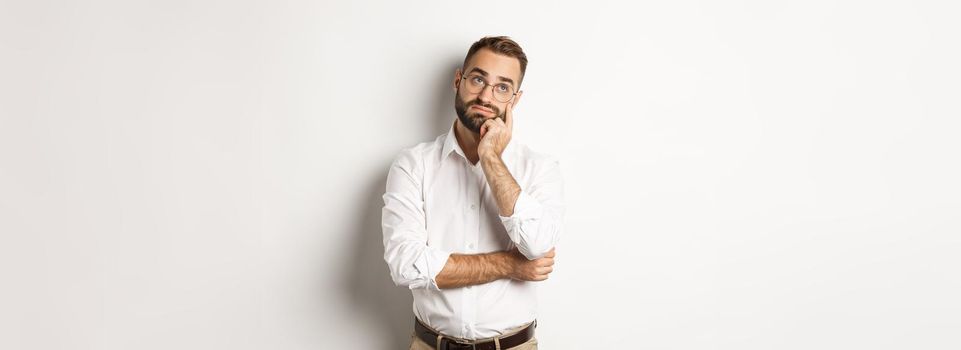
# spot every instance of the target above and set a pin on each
(537, 221)
(412, 262)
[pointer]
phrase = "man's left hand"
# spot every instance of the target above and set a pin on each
(496, 133)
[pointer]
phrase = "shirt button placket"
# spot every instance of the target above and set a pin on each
(470, 237)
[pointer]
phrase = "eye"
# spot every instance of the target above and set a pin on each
(478, 80)
(503, 88)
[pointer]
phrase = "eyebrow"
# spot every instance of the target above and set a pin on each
(484, 73)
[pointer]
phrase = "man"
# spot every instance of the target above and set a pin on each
(471, 219)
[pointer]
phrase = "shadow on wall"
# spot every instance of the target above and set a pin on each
(369, 286)
(443, 101)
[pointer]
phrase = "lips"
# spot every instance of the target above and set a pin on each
(482, 109)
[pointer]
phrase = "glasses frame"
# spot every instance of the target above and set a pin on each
(488, 84)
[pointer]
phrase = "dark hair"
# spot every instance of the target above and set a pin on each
(502, 45)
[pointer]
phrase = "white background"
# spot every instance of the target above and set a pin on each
(739, 175)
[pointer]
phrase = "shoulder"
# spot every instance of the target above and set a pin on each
(413, 157)
(530, 157)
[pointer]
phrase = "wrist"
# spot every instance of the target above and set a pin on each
(489, 155)
(505, 264)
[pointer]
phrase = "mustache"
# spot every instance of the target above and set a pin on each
(488, 106)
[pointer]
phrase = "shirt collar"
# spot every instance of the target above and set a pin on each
(450, 144)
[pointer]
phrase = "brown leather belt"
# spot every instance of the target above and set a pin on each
(430, 337)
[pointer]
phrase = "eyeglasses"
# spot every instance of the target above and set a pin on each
(476, 84)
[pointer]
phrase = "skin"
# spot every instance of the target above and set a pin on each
(486, 147)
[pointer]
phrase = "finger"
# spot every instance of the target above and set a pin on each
(490, 123)
(550, 253)
(509, 117)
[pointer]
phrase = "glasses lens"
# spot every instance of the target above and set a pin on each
(475, 83)
(503, 92)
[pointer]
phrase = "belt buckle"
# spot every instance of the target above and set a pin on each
(445, 343)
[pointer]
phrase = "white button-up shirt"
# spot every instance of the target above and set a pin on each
(438, 203)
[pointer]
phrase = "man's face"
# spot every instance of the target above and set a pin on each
(474, 109)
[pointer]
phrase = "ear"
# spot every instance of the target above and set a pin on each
(457, 76)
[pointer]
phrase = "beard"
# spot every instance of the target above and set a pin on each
(473, 120)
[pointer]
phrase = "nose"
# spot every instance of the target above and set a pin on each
(487, 94)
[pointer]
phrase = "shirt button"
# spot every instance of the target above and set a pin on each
(473, 206)
(470, 245)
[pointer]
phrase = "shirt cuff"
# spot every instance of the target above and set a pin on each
(525, 208)
(429, 265)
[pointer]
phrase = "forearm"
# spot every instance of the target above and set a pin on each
(505, 189)
(464, 270)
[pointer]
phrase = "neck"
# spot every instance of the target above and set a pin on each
(468, 141)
